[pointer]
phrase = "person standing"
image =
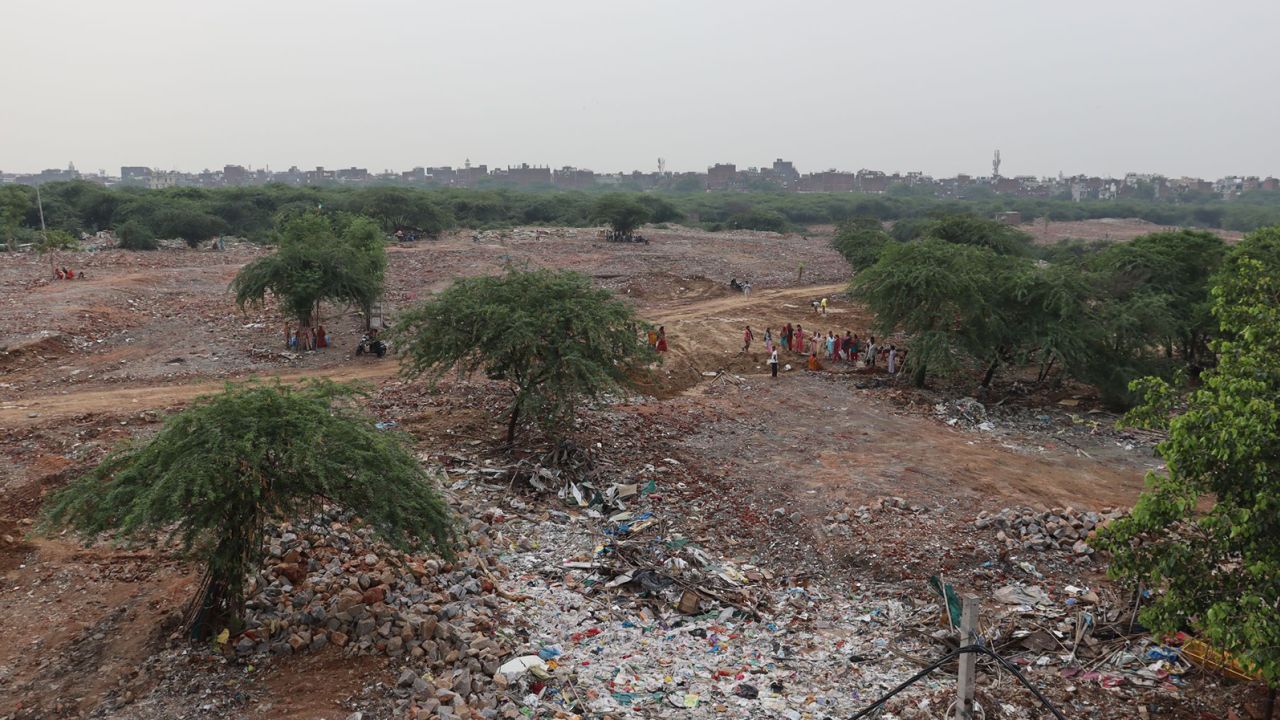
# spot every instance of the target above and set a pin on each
(747, 337)
(871, 352)
(773, 363)
(662, 338)
(824, 306)
(893, 359)
(785, 337)
(768, 340)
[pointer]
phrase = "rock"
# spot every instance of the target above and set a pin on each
(348, 598)
(370, 560)
(407, 678)
(374, 595)
(338, 638)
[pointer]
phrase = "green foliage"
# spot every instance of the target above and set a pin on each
(621, 212)
(860, 242)
(398, 208)
(252, 212)
(972, 230)
(56, 240)
(319, 259)
(188, 223)
(951, 299)
(216, 473)
(1204, 534)
(554, 337)
(136, 236)
(758, 219)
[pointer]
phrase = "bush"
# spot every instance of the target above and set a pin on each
(133, 235)
(193, 226)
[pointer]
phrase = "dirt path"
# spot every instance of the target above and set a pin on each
(16, 413)
(40, 410)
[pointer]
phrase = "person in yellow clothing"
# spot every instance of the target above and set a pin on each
(824, 306)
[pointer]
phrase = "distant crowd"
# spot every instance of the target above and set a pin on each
(850, 349)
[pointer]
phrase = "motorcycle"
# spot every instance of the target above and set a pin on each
(371, 346)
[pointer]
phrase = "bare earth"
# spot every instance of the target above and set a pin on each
(88, 363)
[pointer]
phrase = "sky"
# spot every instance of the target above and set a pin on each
(1160, 86)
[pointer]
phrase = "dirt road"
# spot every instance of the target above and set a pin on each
(42, 409)
(16, 413)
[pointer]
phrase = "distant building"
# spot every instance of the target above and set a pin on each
(570, 178)
(162, 180)
(721, 176)
(355, 174)
(526, 175)
(135, 175)
(320, 176)
(831, 181)
(235, 175)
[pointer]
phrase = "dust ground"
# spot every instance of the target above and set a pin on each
(89, 363)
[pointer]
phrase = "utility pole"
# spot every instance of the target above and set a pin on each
(44, 234)
(966, 680)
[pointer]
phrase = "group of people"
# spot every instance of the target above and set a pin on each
(65, 274)
(850, 349)
(657, 339)
(306, 338)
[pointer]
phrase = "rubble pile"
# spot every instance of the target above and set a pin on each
(327, 582)
(1065, 529)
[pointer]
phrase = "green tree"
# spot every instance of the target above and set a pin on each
(1166, 273)
(188, 222)
(216, 473)
(860, 241)
(953, 300)
(1204, 533)
(980, 232)
(554, 337)
(134, 235)
(621, 212)
(315, 264)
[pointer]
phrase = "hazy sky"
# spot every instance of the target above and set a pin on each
(1100, 87)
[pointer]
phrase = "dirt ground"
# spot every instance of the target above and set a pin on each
(1110, 229)
(87, 363)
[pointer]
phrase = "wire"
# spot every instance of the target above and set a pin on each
(879, 704)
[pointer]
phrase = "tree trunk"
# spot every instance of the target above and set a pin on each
(991, 371)
(1044, 370)
(1269, 710)
(511, 424)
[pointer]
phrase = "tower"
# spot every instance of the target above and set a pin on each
(662, 165)
(995, 165)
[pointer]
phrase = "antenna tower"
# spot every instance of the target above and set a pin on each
(995, 165)
(662, 165)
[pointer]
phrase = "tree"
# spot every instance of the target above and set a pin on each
(1166, 273)
(188, 222)
(315, 264)
(954, 301)
(1204, 533)
(136, 236)
(218, 472)
(550, 334)
(860, 241)
(972, 230)
(621, 212)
